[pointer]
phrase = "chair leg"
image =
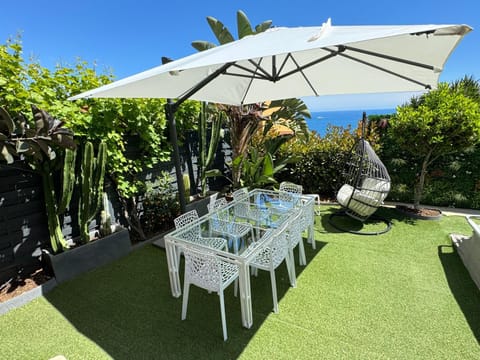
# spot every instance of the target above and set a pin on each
(302, 260)
(274, 291)
(186, 289)
(222, 311)
(290, 262)
(235, 244)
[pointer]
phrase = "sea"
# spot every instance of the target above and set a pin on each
(320, 120)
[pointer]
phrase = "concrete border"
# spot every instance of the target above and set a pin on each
(28, 296)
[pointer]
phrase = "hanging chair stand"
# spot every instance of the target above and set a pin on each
(366, 185)
(343, 214)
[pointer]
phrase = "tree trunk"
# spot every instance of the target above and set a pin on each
(418, 190)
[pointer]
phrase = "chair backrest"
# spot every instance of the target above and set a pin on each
(221, 219)
(367, 183)
(186, 219)
(280, 244)
(217, 204)
(241, 207)
(203, 269)
(213, 198)
(275, 249)
(291, 187)
(289, 193)
(295, 229)
(240, 193)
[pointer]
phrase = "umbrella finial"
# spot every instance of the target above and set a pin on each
(326, 26)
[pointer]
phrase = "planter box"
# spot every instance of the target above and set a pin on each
(73, 262)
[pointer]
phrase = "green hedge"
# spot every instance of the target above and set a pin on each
(453, 180)
(318, 164)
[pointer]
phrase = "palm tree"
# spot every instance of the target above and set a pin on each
(244, 120)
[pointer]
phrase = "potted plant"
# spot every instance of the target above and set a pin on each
(93, 248)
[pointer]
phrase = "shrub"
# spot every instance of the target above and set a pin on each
(160, 205)
(319, 163)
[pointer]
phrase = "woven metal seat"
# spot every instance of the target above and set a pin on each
(366, 181)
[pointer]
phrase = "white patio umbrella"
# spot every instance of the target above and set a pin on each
(285, 63)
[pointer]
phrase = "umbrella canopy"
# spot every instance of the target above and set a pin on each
(296, 62)
(283, 63)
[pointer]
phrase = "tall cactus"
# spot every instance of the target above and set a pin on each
(68, 180)
(91, 186)
(207, 155)
(54, 208)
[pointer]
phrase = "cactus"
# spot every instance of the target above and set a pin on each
(68, 180)
(91, 186)
(186, 184)
(207, 155)
(105, 218)
(54, 209)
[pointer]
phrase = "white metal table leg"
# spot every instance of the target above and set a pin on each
(173, 266)
(245, 295)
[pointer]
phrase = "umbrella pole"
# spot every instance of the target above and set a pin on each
(170, 114)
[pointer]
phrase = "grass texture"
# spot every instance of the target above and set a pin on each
(401, 295)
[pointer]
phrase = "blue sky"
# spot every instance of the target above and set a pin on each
(132, 36)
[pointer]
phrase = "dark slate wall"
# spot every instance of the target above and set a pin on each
(23, 221)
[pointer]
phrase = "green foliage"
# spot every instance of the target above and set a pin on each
(443, 122)
(39, 146)
(114, 121)
(258, 169)
(318, 164)
(38, 143)
(440, 122)
(292, 113)
(160, 205)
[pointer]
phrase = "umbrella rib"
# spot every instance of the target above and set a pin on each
(389, 57)
(426, 86)
(266, 76)
(304, 77)
(194, 89)
(289, 55)
(310, 64)
(258, 67)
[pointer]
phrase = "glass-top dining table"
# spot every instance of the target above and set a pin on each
(262, 210)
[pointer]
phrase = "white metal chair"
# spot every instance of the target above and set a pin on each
(295, 239)
(288, 196)
(291, 187)
(246, 211)
(210, 272)
(222, 224)
(194, 234)
(275, 250)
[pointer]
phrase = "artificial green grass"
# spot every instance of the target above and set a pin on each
(400, 295)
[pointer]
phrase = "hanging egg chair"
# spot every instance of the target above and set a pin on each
(365, 187)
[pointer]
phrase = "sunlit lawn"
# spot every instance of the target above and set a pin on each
(400, 295)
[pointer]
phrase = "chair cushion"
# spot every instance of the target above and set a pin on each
(376, 184)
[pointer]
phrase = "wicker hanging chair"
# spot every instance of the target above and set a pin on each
(366, 184)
